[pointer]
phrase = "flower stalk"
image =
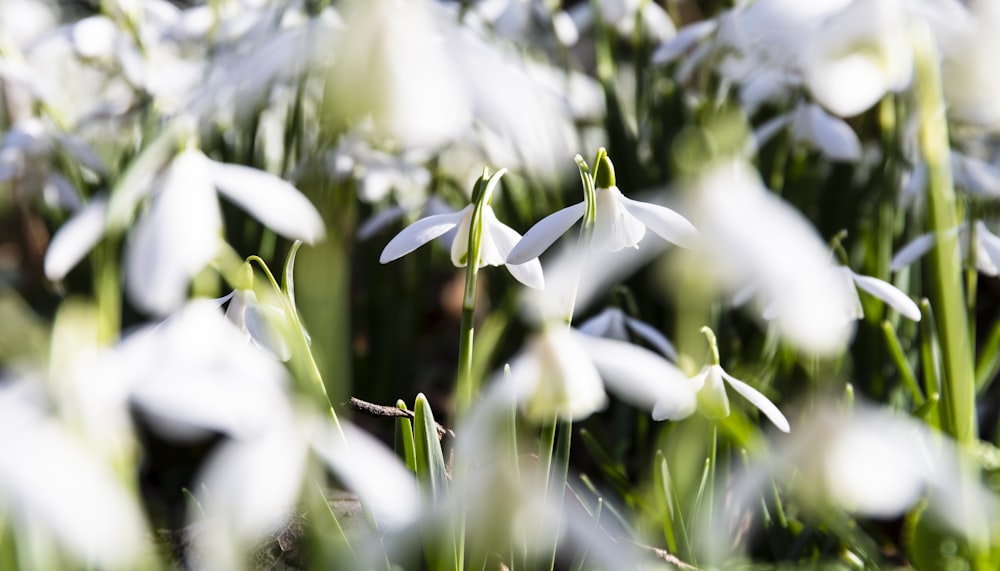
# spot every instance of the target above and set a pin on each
(482, 195)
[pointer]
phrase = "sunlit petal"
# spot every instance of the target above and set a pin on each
(640, 377)
(830, 135)
(889, 294)
(652, 336)
(505, 238)
(544, 233)
(270, 199)
(75, 238)
(179, 235)
(713, 401)
(912, 252)
(757, 399)
(419, 233)
(666, 223)
(615, 227)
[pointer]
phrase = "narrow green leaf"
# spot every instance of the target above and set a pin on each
(612, 469)
(288, 274)
(429, 459)
(930, 359)
(988, 364)
(404, 438)
(665, 498)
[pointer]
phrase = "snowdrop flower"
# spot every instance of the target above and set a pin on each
(616, 324)
(810, 125)
(497, 241)
(971, 86)
(858, 55)
(712, 399)
(753, 236)
(51, 482)
(180, 233)
(883, 290)
(563, 373)
(261, 322)
(620, 222)
(987, 248)
(28, 156)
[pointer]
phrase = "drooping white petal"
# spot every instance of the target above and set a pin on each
(176, 239)
(608, 323)
(505, 238)
(555, 377)
(492, 253)
(828, 134)
(974, 175)
(912, 251)
(460, 245)
(544, 233)
(75, 238)
(264, 324)
(858, 55)
(421, 232)
(270, 199)
(369, 469)
(763, 134)
(615, 227)
(247, 489)
(843, 279)
(889, 294)
(378, 222)
(988, 246)
(666, 223)
(53, 482)
(653, 336)
(757, 399)
(640, 377)
(686, 38)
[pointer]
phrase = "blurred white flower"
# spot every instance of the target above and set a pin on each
(987, 246)
(51, 482)
(264, 324)
(559, 375)
(620, 223)
(753, 236)
(29, 156)
(497, 241)
(181, 232)
(379, 175)
(714, 402)
(809, 124)
(971, 85)
(616, 324)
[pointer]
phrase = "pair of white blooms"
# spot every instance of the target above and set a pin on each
(563, 372)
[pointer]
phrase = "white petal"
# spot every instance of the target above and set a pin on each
(460, 245)
(546, 231)
(616, 228)
(653, 336)
(666, 223)
(912, 251)
(176, 239)
(419, 233)
(889, 294)
(757, 399)
(378, 222)
(372, 471)
(270, 199)
(763, 134)
(557, 378)
(608, 323)
(640, 377)
(685, 38)
(492, 253)
(265, 324)
(505, 238)
(76, 237)
(988, 245)
(830, 135)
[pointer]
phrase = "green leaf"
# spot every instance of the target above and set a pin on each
(404, 438)
(288, 274)
(430, 467)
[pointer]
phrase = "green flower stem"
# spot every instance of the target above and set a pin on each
(946, 292)
(466, 384)
(302, 356)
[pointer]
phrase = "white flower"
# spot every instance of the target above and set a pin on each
(753, 236)
(616, 324)
(181, 232)
(263, 323)
(811, 125)
(497, 241)
(713, 400)
(621, 223)
(560, 375)
(987, 248)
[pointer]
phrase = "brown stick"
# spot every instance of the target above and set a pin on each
(379, 410)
